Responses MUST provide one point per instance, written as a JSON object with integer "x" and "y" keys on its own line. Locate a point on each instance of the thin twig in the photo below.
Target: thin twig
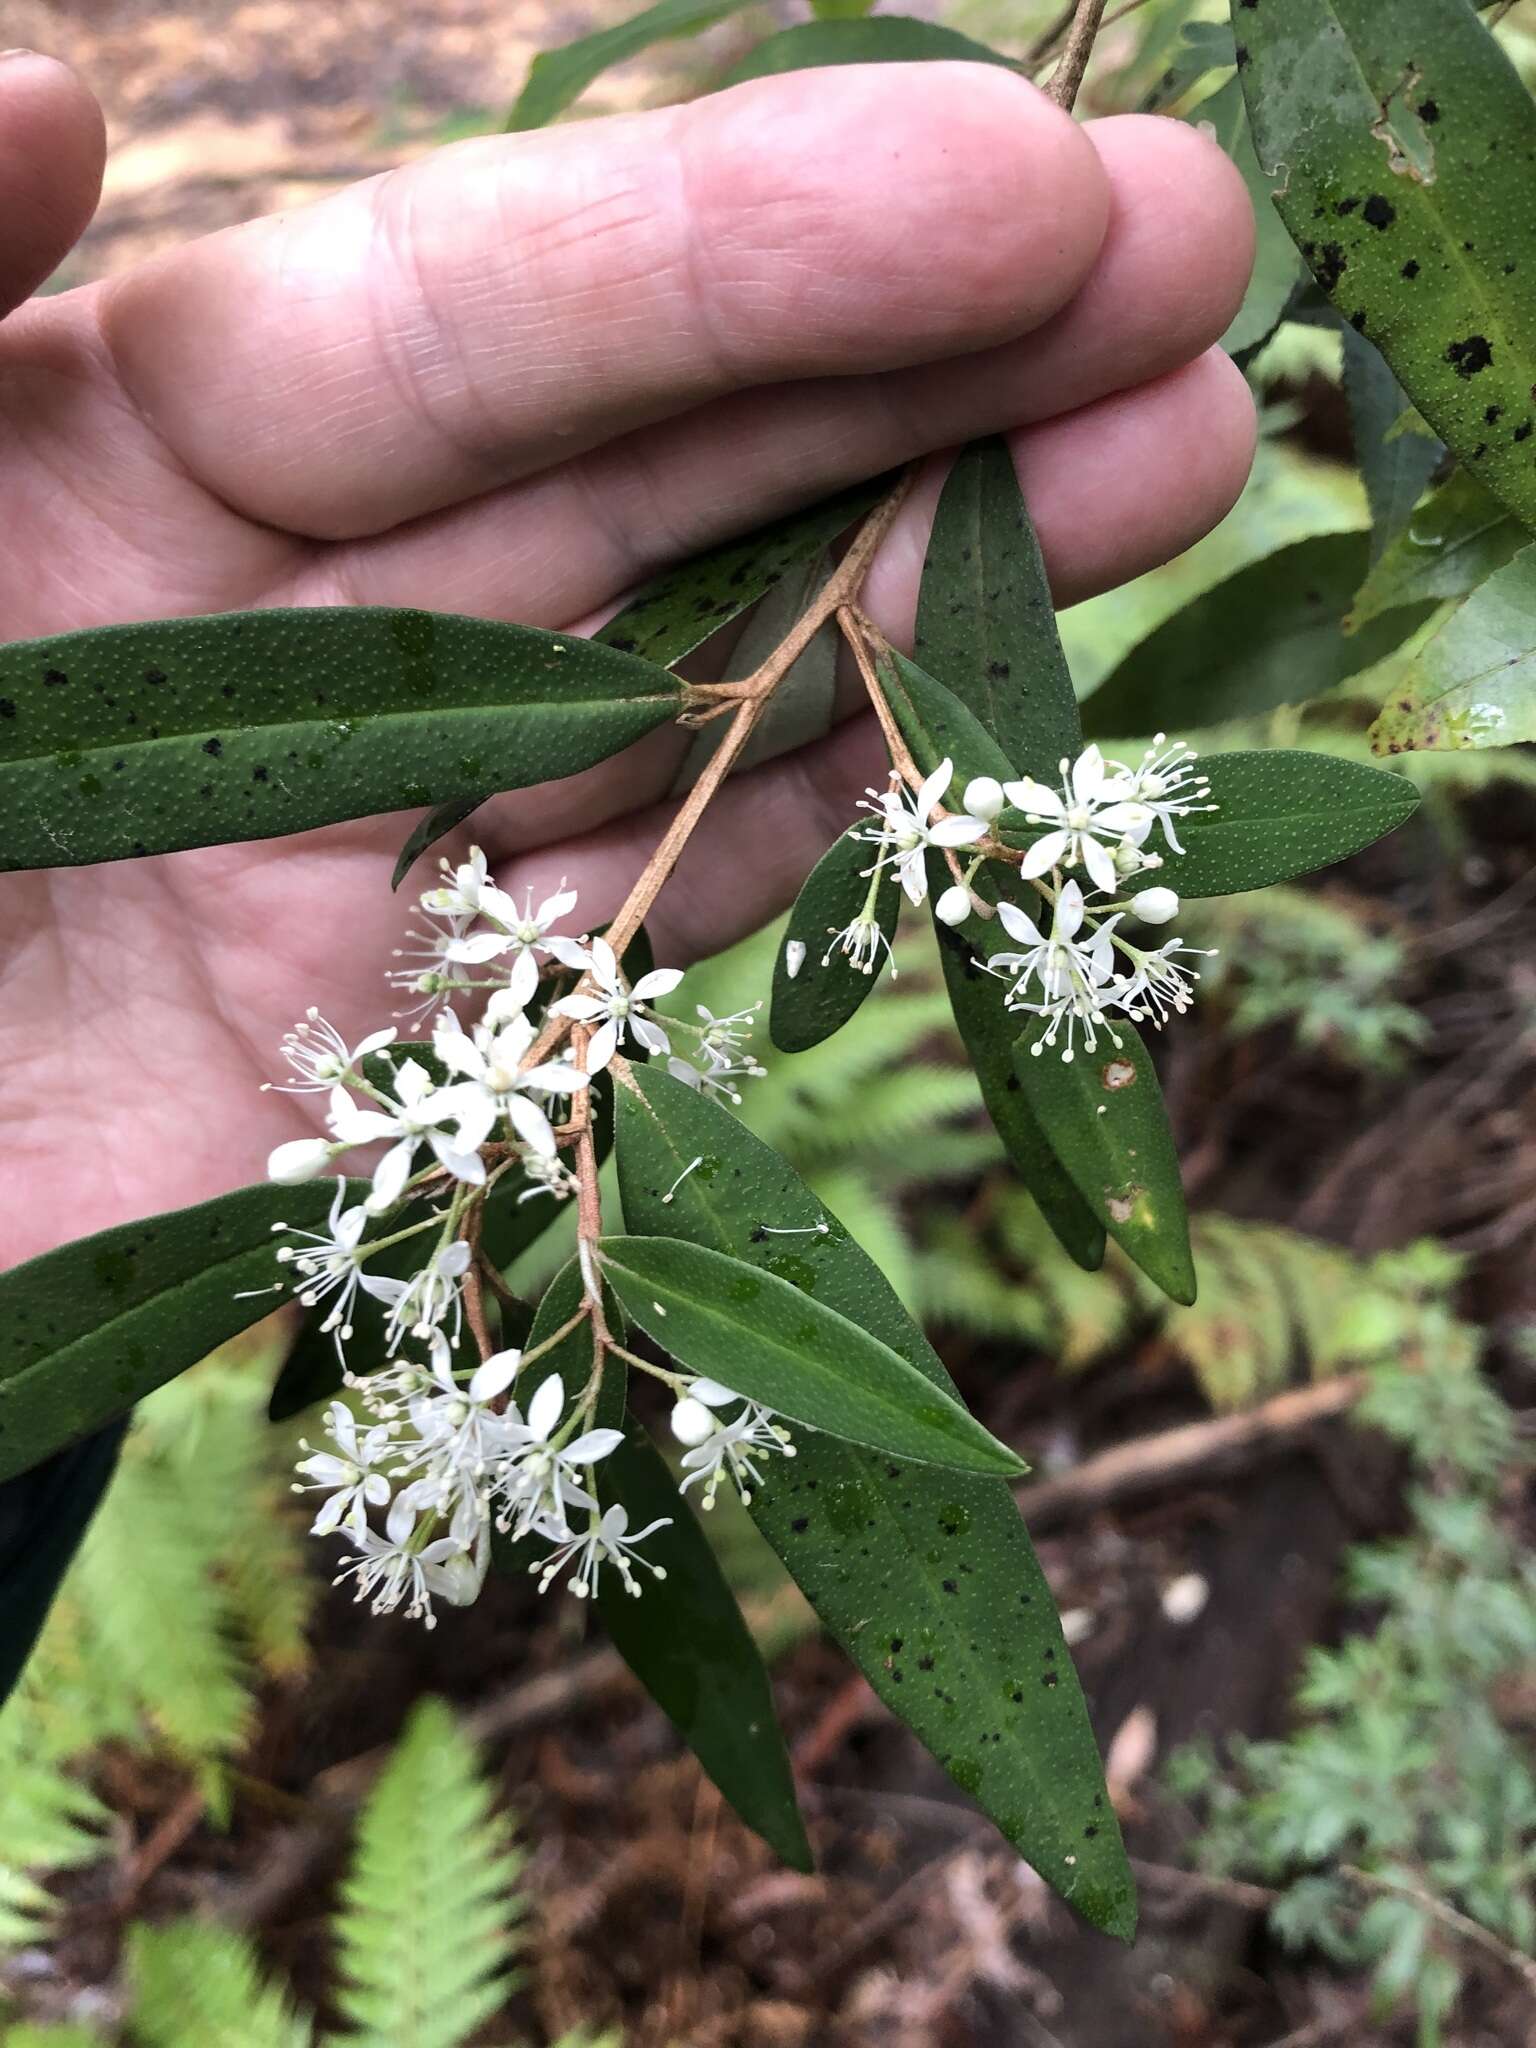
{"x": 1439, "y": 1909}
{"x": 1068, "y": 75}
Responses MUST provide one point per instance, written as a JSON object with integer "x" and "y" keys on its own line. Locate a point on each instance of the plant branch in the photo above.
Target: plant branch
{"x": 1439, "y": 1909}
{"x": 1065, "y": 80}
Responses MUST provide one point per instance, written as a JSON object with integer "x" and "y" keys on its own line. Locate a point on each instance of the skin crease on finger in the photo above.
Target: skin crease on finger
{"x": 201, "y": 960}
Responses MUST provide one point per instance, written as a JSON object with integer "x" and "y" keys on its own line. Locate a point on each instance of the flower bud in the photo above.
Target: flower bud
{"x": 299, "y": 1160}
{"x": 1155, "y": 906}
{"x": 983, "y": 798}
{"x": 691, "y": 1421}
{"x": 954, "y": 906}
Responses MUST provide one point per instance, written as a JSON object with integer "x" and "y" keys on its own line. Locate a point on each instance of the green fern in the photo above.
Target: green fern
{"x": 52, "y": 2037}
{"x": 427, "y": 1931}
{"x": 190, "y": 1585}
{"x": 195, "y": 1985}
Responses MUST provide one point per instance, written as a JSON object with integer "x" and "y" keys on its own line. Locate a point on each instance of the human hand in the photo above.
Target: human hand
{"x": 514, "y": 380}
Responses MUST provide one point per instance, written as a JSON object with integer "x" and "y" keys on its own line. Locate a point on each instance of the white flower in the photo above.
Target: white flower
{"x": 529, "y": 929}
{"x": 1069, "y": 977}
{"x": 299, "y": 1160}
{"x": 396, "y": 1570}
{"x": 547, "y": 1174}
{"x": 984, "y": 798}
{"x": 621, "y": 1009}
{"x": 537, "y": 1477}
{"x": 331, "y": 1262}
{"x": 606, "y": 1541}
{"x": 903, "y": 830}
{"x": 495, "y": 1083}
{"x": 1155, "y": 906}
{"x": 417, "y": 1111}
{"x": 954, "y": 906}
{"x": 1092, "y": 806}
{"x": 349, "y": 1474}
{"x": 459, "y": 1435}
{"x": 719, "y": 1449}
{"x": 424, "y": 974}
{"x": 1158, "y": 985}
{"x": 321, "y": 1057}
{"x": 1164, "y": 786}
{"x": 462, "y": 893}
{"x": 860, "y": 943}
{"x": 424, "y": 1301}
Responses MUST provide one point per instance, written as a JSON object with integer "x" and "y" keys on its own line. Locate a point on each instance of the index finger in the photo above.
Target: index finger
{"x": 508, "y": 303}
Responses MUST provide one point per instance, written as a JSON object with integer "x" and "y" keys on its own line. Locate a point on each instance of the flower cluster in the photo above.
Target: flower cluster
{"x": 1100, "y": 824}
{"x": 443, "y": 1452}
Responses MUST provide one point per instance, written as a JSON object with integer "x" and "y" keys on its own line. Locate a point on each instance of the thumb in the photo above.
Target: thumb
{"x": 52, "y": 147}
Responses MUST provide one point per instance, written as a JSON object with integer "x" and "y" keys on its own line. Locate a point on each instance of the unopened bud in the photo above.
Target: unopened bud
{"x": 299, "y": 1160}
{"x": 954, "y": 906}
{"x": 983, "y": 798}
{"x": 1155, "y": 906}
{"x": 691, "y": 1421}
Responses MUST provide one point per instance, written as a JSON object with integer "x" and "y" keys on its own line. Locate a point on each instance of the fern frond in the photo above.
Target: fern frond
{"x": 196, "y": 1985}
{"x": 63, "y": 2036}
{"x": 49, "y": 1821}
{"x": 428, "y": 1925}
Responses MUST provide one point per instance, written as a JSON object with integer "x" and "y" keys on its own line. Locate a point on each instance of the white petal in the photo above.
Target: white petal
{"x": 569, "y": 952}
{"x": 1018, "y": 924}
{"x": 711, "y": 1393}
{"x": 605, "y": 965}
{"x": 1035, "y": 798}
{"x": 650, "y": 1034}
{"x": 545, "y": 1408}
{"x": 374, "y": 1041}
{"x": 465, "y": 1166}
{"x": 555, "y": 1077}
{"x": 391, "y": 1174}
{"x": 476, "y": 949}
{"x": 495, "y": 1376}
{"x": 659, "y": 982}
{"x": 1069, "y": 912}
{"x": 454, "y": 1259}
{"x": 523, "y": 981}
{"x": 1088, "y": 775}
{"x": 603, "y": 1045}
{"x": 932, "y": 789}
{"x": 531, "y": 1124}
{"x": 553, "y": 908}
{"x": 582, "y": 1007}
{"x": 299, "y": 1160}
{"x": 957, "y": 831}
{"x": 413, "y": 1083}
{"x": 1040, "y": 858}
{"x": 595, "y": 1444}
{"x": 1100, "y": 863}
{"x": 913, "y": 875}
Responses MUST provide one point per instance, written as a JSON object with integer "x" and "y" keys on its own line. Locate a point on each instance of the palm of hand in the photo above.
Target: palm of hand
{"x": 374, "y": 402}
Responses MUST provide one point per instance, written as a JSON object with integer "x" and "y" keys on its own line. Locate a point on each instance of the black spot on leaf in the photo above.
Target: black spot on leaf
{"x": 1429, "y": 111}
{"x": 213, "y": 747}
{"x": 1467, "y": 358}
{"x": 1379, "y": 211}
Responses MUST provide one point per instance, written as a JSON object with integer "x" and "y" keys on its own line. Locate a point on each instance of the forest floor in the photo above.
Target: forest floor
{"x": 920, "y": 1929}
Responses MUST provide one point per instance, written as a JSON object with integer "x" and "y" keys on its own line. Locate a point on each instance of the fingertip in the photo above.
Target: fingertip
{"x": 53, "y": 147}
{"x": 932, "y": 208}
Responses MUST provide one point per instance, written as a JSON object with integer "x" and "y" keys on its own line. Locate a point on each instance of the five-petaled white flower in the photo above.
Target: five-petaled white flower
{"x": 606, "y": 1540}
{"x": 321, "y": 1057}
{"x": 330, "y": 1262}
{"x": 495, "y": 1083}
{"x": 417, "y": 1112}
{"x": 1092, "y": 809}
{"x": 1059, "y": 977}
{"x": 905, "y": 828}
{"x": 719, "y": 1449}
{"x": 621, "y": 1008}
{"x": 395, "y": 1570}
{"x": 538, "y": 1477}
{"x": 349, "y": 1474}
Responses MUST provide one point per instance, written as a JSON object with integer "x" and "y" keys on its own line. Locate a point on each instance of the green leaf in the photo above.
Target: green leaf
{"x": 1269, "y": 635}
{"x": 428, "y": 1924}
{"x": 437, "y": 824}
{"x": 572, "y": 1357}
{"x": 1274, "y": 257}
{"x": 678, "y": 610}
{"x": 927, "y": 1578}
{"x": 825, "y": 990}
{"x": 1281, "y": 812}
{"x": 127, "y": 740}
{"x": 89, "y": 1329}
{"x": 557, "y": 77}
{"x": 986, "y": 626}
{"x": 1451, "y": 544}
{"x": 937, "y": 726}
{"x": 882, "y": 39}
{"x": 1202, "y": 47}
{"x": 198, "y": 1985}
{"x": 1399, "y": 141}
{"x": 1395, "y": 465}
{"x": 1104, "y": 1115}
{"x": 988, "y": 1033}
{"x": 1473, "y": 684}
{"x": 686, "y": 1642}
{"x": 44, "y": 1514}
{"x": 760, "y": 1336}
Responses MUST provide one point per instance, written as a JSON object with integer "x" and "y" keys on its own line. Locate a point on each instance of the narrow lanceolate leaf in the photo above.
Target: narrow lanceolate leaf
{"x": 574, "y": 1356}
{"x": 1395, "y": 464}
{"x": 686, "y": 1642}
{"x": 1451, "y": 544}
{"x": 986, "y": 626}
{"x": 1275, "y": 268}
{"x": 1399, "y": 141}
{"x": 988, "y": 1033}
{"x": 927, "y": 1578}
{"x": 557, "y": 77}
{"x": 1473, "y": 684}
{"x": 1272, "y": 634}
{"x": 1281, "y": 813}
{"x": 678, "y": 610}
{"x": 760, "y": 1336}
{"x": 44, "y": 1514}
{"x": 816, "y": 985}
{"x": 442, "y": 819}
{"x": 88, "y": 1330}
{"x": 937, "y": 726}
{"x": 128, "y": 740}
{"x": 1104, "y": 1115}
{"x": 885, "y": 39}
